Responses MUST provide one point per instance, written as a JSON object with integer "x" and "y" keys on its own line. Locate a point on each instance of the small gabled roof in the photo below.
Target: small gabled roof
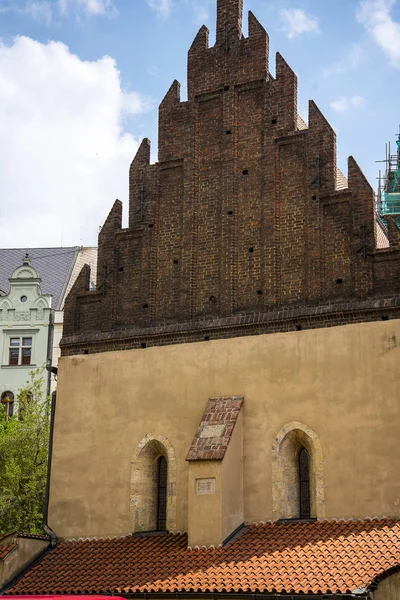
{"x": 215, "y": 429}
{"x": 53, "y": 265}
{"x": 323, "y": 557}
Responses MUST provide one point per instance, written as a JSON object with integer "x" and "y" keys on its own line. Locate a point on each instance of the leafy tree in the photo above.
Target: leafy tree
{"x": 24, "y": 440}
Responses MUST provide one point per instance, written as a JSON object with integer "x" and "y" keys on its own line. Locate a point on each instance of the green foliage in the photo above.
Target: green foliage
{"x": 24, "y": 440}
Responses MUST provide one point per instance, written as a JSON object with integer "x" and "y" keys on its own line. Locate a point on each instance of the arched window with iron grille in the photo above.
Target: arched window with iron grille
{"x": 162, "y": 476}
{"x": 304, "y": 484}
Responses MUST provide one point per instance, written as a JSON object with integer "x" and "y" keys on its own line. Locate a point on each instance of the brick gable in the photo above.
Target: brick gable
{"x": 243, "y": 214}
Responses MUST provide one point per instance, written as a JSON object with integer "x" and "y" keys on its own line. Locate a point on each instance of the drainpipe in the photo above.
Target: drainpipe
{"x": 49, "y": 354}
{"x": 46, "y": 527}
{"x": 50, "y": 369}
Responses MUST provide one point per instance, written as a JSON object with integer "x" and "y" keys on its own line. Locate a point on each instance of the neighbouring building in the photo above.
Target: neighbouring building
{"x": 26, "y": 328}
{"x": 33, "y": 285}
{"x": 228, "y": 397}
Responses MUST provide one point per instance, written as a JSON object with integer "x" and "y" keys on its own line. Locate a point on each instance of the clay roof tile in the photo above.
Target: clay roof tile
{"x": 321, "y": 557}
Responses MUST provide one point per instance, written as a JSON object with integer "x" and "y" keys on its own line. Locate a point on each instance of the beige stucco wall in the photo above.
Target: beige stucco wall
{"x": 342, "y": 382}
{"x": 388, "y": 589}
{"x": 232, "y": 482}
{"x": 205, "y": 511}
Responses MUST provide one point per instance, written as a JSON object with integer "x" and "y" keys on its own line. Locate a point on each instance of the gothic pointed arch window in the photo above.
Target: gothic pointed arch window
{"x": 297, "y": 473}
{"x": 162, "y": 477}
{"x": 304, "y": 484}
{"x": 153, "y": 486}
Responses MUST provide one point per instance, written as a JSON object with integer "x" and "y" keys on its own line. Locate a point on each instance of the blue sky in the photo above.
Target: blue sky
{"x": 81, "y": 80}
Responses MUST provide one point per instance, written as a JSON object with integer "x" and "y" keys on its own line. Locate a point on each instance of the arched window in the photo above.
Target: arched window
{"x": 304, "y": 484}
{"x": 162, "y": 476}
{"x": 7, "y": 401}
{"x": 153, "y": 486}
{"x": 297, "y": 473}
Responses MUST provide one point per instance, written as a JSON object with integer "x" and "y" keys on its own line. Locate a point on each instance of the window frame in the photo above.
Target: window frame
{"x": 162, "y": 500}
{"x": 23, "y": 350}
{"x": 304, "y": 483}
{"x": 20, "y": 334}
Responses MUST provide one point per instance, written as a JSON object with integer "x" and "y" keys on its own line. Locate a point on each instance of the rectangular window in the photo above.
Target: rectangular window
{"x": 26, "y": 356}
{"x": 13, "y": 358}
{"x": 20, "y": 351}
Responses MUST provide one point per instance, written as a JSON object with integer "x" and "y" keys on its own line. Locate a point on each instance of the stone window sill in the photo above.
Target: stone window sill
{"x": 18, "y": 366}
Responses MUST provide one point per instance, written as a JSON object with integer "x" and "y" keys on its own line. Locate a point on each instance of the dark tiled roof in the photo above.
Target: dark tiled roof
{"x": 322, "y": 557}
{"x": 54, "y": 266}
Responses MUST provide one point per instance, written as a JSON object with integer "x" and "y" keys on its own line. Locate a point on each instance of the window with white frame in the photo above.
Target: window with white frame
{"x": 20, "y": 350}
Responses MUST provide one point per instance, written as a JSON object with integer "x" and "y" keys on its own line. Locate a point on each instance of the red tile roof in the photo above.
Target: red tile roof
{"x": 321, "y": 557}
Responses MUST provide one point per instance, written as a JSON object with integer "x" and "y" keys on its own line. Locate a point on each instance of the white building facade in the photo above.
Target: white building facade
{"x": 32, "y": 297}
{"x": 26, "y": 328}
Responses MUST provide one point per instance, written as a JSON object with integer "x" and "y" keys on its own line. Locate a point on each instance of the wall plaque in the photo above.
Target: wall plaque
{"x": 210, "y": 431}
{"x": 205, "y": 486}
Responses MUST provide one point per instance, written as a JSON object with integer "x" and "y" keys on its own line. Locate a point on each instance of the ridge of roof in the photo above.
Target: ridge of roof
{"x": 5, "y": 535}
{"x": 34, "y": 536}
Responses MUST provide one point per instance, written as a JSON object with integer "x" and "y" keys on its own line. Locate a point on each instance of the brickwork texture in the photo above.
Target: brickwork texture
{"x": 215, "y": 430}
{"x": 242, "y": 216}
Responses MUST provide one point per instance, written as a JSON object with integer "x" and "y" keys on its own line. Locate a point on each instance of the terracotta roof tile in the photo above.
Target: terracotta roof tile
{"x": 321, "y": 557}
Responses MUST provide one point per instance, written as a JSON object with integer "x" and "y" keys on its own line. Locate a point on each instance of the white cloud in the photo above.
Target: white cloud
{"x": 153, "y": 71}
{"x": 343, "y": 104}
{"x": 41, "y": 11}
{"x": 201, "y": 10}
{"x": 161, "y": 7}
{"x": 63, "y": 149}
{"x": 297, "y": 21}
{"x": 47, "y": 10}
{"x": 376, "y": 16}
{"x": 352, "y": 59}
{"x": 90, "y": 7}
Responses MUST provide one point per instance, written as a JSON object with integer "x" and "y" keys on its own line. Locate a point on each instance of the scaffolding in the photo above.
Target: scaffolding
{"x": 388, "y": 197}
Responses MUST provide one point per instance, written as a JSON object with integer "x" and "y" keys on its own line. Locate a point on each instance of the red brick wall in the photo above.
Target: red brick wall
{"x": 241, "y": 214}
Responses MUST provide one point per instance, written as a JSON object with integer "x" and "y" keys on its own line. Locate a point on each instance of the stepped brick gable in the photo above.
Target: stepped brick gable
{"x": 244, "y": 224}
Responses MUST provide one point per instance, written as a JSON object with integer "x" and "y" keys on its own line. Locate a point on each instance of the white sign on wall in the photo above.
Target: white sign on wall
{"x": 205, "y": 486}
